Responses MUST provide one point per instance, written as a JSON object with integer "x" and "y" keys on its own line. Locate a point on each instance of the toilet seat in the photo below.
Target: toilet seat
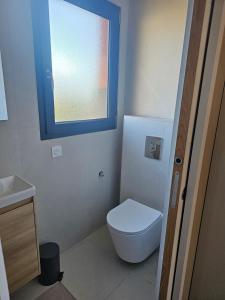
{"x": 132, "y": 218}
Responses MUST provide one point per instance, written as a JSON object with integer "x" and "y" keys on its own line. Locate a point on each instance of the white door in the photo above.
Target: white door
{"x": 4, "y": 292}
{"x": 209, "y": 269}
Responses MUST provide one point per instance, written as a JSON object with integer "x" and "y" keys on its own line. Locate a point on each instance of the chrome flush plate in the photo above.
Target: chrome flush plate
{"x": 153, "y": 147}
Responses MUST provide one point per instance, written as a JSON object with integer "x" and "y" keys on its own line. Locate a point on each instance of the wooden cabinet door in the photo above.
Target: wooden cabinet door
{"x": 18, "y": 234}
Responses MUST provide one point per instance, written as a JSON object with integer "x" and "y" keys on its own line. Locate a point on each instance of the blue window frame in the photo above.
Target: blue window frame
{"x": 49, "y": 128}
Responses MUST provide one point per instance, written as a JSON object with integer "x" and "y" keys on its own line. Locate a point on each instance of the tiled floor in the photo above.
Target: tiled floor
{"x": 94, "y": 272}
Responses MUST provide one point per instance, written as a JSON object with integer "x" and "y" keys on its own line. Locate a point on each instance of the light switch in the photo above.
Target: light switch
{"x": 57, "y": 151}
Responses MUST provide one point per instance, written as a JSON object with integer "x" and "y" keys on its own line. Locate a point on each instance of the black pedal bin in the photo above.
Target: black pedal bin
{"x": 50, "y": 264}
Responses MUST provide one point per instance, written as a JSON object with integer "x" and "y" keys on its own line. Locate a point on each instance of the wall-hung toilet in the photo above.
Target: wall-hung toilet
{"x": 135, "y": 230}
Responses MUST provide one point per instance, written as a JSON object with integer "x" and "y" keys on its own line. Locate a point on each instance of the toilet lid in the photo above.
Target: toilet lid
{"x": 132, "y": 217}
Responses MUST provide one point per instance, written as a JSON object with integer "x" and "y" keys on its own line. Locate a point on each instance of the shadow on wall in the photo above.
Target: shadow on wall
{"x": 155, "y": 42}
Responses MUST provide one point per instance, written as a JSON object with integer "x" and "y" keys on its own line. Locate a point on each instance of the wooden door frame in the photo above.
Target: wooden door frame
{"x": 194, "y": 65}
{"x": 203, "y": 143}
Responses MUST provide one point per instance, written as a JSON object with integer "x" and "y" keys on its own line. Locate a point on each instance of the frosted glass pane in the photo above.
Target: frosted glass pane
{"x": 79, "y": 45}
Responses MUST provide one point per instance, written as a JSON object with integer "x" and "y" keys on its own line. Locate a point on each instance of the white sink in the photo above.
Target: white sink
{"x": 14, "y": 189}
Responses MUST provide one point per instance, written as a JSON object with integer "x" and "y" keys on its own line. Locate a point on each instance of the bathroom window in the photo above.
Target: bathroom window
{"x": 76, "y": 53}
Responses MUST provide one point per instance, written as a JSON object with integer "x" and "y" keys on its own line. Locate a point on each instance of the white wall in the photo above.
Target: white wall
{"x": 144, "y": 179}
{"x": 156, "y": 32}
{"x": 73, "y": 201}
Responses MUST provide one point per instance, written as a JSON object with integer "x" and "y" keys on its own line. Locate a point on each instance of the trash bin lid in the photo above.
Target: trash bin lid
{"x": 49, "y": 250}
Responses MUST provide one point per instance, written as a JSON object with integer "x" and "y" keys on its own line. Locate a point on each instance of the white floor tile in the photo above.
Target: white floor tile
{"x": 133, "y": 288}
{"x": 148, "y": 269}
{"x": 30, "y": 292}
{"x": 102, "y": 240}
{"x": 91, "y": 274}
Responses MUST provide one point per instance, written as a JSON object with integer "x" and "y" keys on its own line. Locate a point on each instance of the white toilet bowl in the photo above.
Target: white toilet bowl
{"x": 135, "y": 230}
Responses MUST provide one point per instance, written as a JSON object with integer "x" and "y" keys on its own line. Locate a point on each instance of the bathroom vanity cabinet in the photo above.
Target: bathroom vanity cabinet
{"x": 19, "y": 241}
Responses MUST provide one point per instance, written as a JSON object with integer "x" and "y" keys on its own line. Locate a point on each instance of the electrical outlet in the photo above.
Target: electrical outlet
{"x": 57, "y": 151}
